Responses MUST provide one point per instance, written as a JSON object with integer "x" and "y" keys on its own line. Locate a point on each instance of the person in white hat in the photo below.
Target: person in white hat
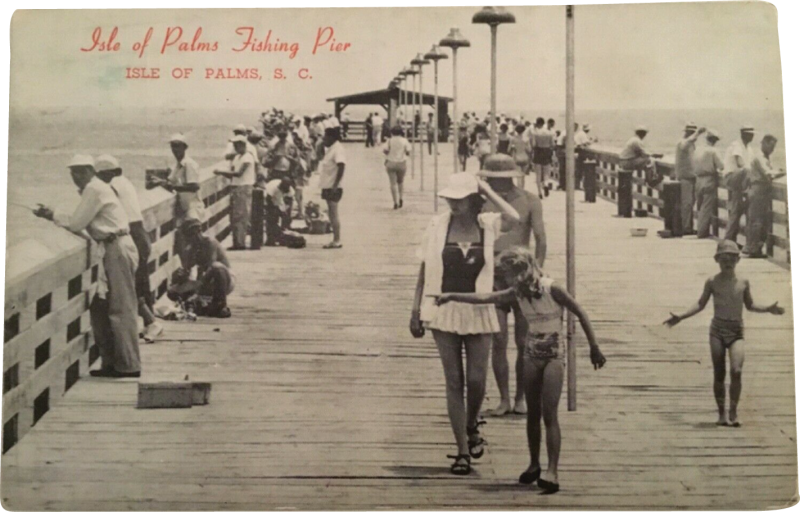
{"x": 684, "y": 173}
{"x": 109, "y": 171}
{"x": 458, "y": 256}
{"x": 738, "y": 160}
{"x": 243, "y": 176}
{"x": 500, "y": 173}
{"x": 707, "y": 165}
{"x": 113, "y": 310}
{"x": 184, "y": 180}
{"x": 582, "y": 141}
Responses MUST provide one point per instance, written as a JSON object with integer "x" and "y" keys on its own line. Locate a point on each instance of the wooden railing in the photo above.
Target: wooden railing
{"x": 48, "y": 343}
{"x": 650, "y": 199}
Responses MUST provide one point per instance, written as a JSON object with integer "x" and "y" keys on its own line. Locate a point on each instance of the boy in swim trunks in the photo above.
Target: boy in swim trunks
{"x": 727, "y": 328}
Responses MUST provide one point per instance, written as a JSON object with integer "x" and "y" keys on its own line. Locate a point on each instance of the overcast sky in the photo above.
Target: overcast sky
{"x": 701, "y": 55}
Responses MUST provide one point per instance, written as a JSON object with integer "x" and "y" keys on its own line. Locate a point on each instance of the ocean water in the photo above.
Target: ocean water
{"x": 42, "y": 141}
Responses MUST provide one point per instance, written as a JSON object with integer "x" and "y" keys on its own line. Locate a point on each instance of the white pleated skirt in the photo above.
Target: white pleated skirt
{"x": 464, "y": 319}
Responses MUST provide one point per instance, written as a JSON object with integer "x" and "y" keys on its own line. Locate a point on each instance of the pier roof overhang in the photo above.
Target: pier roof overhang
{"x": 383, "y": 98}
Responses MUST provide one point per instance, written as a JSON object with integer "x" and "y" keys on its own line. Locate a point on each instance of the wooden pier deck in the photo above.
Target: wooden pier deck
{"x": 322, "y": 400}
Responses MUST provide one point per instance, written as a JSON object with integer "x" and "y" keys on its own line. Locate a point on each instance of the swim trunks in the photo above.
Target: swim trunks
{"x": 726, "y": 331}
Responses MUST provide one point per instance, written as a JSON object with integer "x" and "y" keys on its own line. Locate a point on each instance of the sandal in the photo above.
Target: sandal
{"x": 476, "y": 447}
{"x": 461, "y": 466}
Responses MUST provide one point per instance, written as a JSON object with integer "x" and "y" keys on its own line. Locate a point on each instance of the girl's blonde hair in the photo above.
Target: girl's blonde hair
{"x": 520, "y": 263}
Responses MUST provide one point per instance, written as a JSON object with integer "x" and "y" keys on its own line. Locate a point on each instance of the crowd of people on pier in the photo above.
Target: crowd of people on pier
{"x": 481, "y": 261}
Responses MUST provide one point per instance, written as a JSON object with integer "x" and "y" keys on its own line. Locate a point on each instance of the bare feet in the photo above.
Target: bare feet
{"x": 722, "y": 421}
{"x": 520, "y": 407}
{"x": 501, "y": 410}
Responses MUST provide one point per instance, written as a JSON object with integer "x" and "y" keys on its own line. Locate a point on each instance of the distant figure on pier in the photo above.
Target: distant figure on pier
{"x": 243, "y": 176}
{"x": 377, "y": 129}
{"x": 542, "y": 139}
{"x": 113, "y": 309}
{"x": 759, "y": 198}
{"x": 500, "y": 174}
{"x": 635, "y": 157}
{"x": 482, "y": 147}
{"x": 331, "y": 172}
{"x": 370, "y": 135}
{"x": 396, "y": 149}
{"x": 708, "y": 167}
{"x": 582, "y": 141}
{"x": 542, "y": 303}
{"x": 503, "y": 140}
{"x": 684, "y": 173}
{"x": 215, "y": 278}
{"x": 458, "y": 256}
{"x": 520, "y": 148}
{"x": 109, "y": 170}
{"x": 738, "y": 160}
{"x": 731, "y": 294}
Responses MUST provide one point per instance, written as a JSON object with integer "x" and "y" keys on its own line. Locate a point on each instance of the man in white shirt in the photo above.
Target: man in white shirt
{"x": 582, "y": 141}
{"x": 759, "y": 198}
{"x": 738, "y": 159}
{"x": 113, "y": 310}
{"x": 243, "y": 177}
{"x": 331, "y": 172}
{"x": 184, "y": 180}
{"x": 110, "y": 172}
{"x": 396, "y": 149}
{"x": 377, "y": 129}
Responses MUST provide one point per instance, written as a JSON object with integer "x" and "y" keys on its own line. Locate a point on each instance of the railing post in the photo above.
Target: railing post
{"x": 257, "y": 220}
{"x": 589, "y": 180}
{"x": 625, "y": 193}
{"x": 671, "y": 195}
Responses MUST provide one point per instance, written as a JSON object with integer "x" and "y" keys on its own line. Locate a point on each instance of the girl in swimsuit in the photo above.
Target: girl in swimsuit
{"x": 726, "y": 334}
{"x": 542, "y": 302}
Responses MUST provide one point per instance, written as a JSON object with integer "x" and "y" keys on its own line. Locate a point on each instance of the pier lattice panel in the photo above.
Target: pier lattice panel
{"x": 48, "y": 343}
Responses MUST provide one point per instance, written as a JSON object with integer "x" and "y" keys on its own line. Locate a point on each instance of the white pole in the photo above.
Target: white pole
{"x": 572, "y": 379}
{"x": 455, "y": 110}
{"x": 493, "y": 120}
{"x": 436, "y": 135}
{"x": 413, "y": 128}
{"x": 421, "y": 142}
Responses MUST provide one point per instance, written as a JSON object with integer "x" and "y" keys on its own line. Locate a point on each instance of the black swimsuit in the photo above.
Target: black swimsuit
{"x": 460, "y": 271}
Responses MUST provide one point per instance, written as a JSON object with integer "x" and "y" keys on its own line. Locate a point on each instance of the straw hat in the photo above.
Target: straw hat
{"x": 459, "y": 186}
{"x": 240, "y": 128}
{"x": 727, "y": 247}
{"x": 641, "y": 128}
{"x": 239, "y": 138}
{"x": 690, "y": 127}
{"x": 500, "y": 166}
{"x": 106, "y": 163}
{"x": 81, "y": 161}
{"x": 748, "y": 128}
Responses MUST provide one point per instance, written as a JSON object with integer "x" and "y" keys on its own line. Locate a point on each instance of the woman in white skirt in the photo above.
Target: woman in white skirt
{"x": 458, "y": 256}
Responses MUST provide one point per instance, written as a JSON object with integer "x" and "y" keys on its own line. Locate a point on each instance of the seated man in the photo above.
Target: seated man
{"x": 215, "y": 279}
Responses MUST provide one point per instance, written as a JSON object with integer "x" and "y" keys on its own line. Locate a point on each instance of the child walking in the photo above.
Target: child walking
{"x": 542, "y": 302}
{"x": 726, "y": 334}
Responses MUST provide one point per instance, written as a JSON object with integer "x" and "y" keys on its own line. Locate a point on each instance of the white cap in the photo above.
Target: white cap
{"x": 240, "y": 128}
{"x": 106, "y": 163}
{"x": 459, "y": 186}
{"x": 82, "y": 161}
{"x": 641, "y": 128}
{"x": 239, "y": 138}
{"x": 747, "y": 128}
{"x": 178, "y": 138}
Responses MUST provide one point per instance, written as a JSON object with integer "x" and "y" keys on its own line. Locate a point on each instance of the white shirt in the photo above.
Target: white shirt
{"x": 377, "y": 120}
{"x": 397, "y": 148}
{"x": 334, "y": 122}
{"x": 100, "y": 213}
{"x": 190, "y": 204}
{"x": 581, "y": 138}
{"x": 329, "y": 165}
{"x": 273, "y": 191}
{"x": 737, "y": 148}
{"x": 248, "y": 163}
{"x": 126, "y": 193}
